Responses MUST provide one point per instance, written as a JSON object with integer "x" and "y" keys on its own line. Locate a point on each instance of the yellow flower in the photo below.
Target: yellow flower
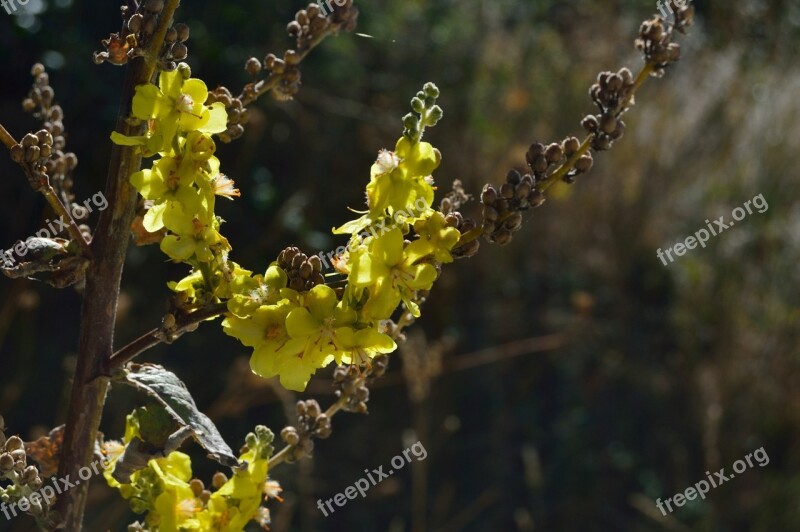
{"x": 178, "y": 103}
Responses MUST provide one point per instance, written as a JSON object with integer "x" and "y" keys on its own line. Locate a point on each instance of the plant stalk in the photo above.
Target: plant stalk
{"x": 98, "y": 313}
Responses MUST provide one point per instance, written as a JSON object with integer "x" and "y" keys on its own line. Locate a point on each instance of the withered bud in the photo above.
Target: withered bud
{"x": 253, "y": 66}
{"x": 135, "y": 23}
{"x": 183, "y": 31}
{"x": 218, "y": 480}
{"x": 29, "y": 140}
{"x": 488, "y": 195}
{"x": 554, "y": 153}
{"x": 589, "y": 123}
{"x": 584, "y": 163}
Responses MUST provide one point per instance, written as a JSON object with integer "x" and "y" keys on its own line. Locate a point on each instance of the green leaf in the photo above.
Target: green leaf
{"x": 166, "y": 388}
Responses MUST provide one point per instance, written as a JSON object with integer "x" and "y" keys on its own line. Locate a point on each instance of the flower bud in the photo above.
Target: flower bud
{"x": 6, "y": 462}
{"x": 218, "y": 480}
{"x": 431, "y": 90}
{"x": 183, "y": 31}
{"x": 488, "y": 195}
{"x": 32, "y": 154}
{"x": 179, "y": 51}
{"x": 584, "y": 163}
{"x": 17, "y": 153}
{"x": 253, "y": 66}
{"x": 135, "y": 23}
{"x": 29, "y": 140}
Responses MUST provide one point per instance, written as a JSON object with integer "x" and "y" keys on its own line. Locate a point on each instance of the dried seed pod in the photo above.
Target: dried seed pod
{"x": 589, "y": 123}
{"x": 490, "y": 214}
{"x": 540, "y": 165}
{"x": 29, "y": 140}
{"x": 554, "y": 153}
{"x": 253, "y": 66}
{"x": 570, "y": 146}
{"x": 45, "y": 138}
{"x": 179, "y": 51}
{"x": 17, "y": 153}
{"x": 536, "y": 149}
{"x": 514, "y": 222}
{"x": 32, "y": 154}
{"x": 183, "y": 31}
{"x": 488, "y": 195}
{"x": 502, "y": 237}
{"x": 135, "y": 23}
{"x": 584, "y": 163}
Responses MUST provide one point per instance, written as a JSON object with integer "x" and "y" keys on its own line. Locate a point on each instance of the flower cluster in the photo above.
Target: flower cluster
{"x": 294, "y": 322}
{"x": 173, "y": 501}
{"x": 295, "y": 332}
{"x": 181, "y": 187}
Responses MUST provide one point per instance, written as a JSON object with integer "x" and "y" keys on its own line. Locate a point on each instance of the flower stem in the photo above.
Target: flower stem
{"x": 110, "y": 245}
{"x": 159, "y": 335}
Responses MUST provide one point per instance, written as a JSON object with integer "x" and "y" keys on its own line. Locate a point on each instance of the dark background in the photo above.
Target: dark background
{"x": 561, "y": 383}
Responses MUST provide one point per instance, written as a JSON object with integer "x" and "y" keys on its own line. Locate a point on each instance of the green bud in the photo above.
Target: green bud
{"x": 410, "y": 121}
{"x": 431, "y": 90}
{"x": 434, "y": 115}
{"x": 417, "y": 105}
{"x": 185, "y": 70}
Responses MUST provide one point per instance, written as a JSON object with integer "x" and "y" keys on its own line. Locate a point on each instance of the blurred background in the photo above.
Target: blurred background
{"x": 564, "y": 382}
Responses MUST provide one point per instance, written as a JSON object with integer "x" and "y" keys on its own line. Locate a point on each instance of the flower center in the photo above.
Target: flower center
{"x": 185, "y": 103}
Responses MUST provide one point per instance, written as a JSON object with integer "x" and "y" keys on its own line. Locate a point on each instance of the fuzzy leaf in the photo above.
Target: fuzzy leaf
{"x": 166, "y": 388}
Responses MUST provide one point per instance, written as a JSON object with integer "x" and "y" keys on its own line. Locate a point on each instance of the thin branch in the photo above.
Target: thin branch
{"x": 185, "y": 323}
{"x": 6, "y": 138}
{"x": 41, "y": 183}
{"x": 252, "y": 92}
{"x": 567, "y": 165}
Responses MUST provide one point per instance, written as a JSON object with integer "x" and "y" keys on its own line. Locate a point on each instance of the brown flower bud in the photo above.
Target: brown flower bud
{"x": 32, "y": 154}
{"x": 253, "y": 66}
{"x": 502, "y": 237}
{"x": 584, "y": 163}
{"x": 29, "y": 140}
{"x": 554, "y": 153}
{"x": 135, "y": 23}
{"x": 514, "y": 222}
{"x": 44, "y": 136}
{"x": 183, "y": 31}
{"x": 507, "y": 190}
{"x": 488, "y": 195}
{"x": 17, "y": 153}
{"x": 490, "y": 214}
{"x": 179, "y": 51}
